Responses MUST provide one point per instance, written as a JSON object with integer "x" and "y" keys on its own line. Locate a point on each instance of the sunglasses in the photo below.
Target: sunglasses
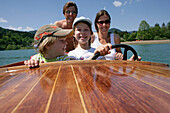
{"x": 68, "y": 12}
{"x": 102, "y": 22}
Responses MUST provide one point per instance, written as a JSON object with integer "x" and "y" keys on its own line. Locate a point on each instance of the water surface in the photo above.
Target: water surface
{"x": 149, "y": 52}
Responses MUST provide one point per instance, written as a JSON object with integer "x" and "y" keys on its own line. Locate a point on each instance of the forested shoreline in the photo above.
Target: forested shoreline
{"x": 12, "y": 40}
{"x": 146, "y": 32}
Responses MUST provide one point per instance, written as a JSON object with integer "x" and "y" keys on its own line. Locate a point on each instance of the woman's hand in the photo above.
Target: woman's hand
{"x": 133, "y": 57}
{"x": 119, "y": 56}
{"x": 103, "y": 49}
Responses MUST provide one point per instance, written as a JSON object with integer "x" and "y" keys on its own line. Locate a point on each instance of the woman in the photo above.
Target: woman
{"x": 82, "y": 41}
{"x": 102, "y": 37}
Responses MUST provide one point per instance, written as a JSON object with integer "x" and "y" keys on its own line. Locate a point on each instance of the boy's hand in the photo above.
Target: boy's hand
{"x": 32, "y": 63}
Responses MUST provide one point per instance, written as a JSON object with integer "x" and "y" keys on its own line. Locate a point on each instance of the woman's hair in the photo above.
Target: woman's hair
{"x": 46, "y": 42}
{"x": 98, "y": 15}
{"x": 68, "y": 4}
{"x": 74, "y": 39}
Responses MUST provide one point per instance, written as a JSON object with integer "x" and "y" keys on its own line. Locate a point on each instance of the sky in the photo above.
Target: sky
{"x": 126, "y": 15}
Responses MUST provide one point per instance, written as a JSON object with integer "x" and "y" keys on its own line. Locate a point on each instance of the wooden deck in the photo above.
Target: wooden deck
{"x": 86, "y": 87}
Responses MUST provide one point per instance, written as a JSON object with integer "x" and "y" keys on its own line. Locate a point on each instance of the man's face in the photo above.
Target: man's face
{"x": 70, "y": 14}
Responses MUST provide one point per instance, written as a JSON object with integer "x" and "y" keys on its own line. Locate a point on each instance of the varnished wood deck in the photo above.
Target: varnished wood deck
{"x": 86, "y": 87}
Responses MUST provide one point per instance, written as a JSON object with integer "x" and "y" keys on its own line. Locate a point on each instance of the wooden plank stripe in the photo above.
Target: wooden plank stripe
{"x": 8, "y": 80}
{"x": 52, "y": 92}
{"x": 150, "y": 85}
{"x": 28, "y": 93}
{"x": 143, "y": 81}
{"x": 80, "y": 94}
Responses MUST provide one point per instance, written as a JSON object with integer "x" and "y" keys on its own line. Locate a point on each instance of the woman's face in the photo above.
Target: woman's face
{"x": 82, "y": 33}
{"x": 103, "y": 24}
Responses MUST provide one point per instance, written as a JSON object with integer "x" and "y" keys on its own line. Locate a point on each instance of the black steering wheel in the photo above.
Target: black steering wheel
{"x": 127, "y": 47}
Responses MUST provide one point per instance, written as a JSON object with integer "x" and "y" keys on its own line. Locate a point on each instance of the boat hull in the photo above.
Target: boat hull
{"x": 86, "y": 87}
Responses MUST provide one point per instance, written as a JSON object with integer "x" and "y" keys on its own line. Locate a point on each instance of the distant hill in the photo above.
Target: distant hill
{"x": 11, "y": 39}
{"x": 112, "y": 30}
{"x": 33, "y": 32}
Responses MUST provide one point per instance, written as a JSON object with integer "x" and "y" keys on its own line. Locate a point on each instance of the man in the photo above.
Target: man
{"x": 70, "y": 12}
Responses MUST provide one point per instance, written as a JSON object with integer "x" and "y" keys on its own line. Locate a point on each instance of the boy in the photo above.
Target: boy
{"x": 50, "y": 40}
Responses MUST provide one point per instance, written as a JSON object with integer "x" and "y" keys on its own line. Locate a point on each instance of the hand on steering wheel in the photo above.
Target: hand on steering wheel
{"x": 127, "y": 47}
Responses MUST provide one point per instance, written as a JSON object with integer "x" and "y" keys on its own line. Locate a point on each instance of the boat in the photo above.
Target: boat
{"x": 87, "y": 86}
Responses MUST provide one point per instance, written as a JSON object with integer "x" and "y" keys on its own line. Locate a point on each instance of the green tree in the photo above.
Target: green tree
{"x": 132, "y": 36}
{"x": 143, "y": 25}
{"x": 125, "y": 36}
{"x": 163, "y": 26}
{"x": 168, "y": 25}
{"x": 10, "y": 39}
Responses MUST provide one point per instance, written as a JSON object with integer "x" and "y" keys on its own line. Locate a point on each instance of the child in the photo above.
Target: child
{"x": 82, "y": 40}
{"x": 50, "y": 41}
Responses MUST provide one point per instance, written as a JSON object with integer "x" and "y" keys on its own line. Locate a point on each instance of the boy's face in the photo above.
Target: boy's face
{"x": 58, "y": 48}
{"x": 70, "y": 13}
{"x": 82, "y": 33}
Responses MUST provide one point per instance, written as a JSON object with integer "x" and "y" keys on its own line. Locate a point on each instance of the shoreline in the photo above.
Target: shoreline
{"x": 146, "y": 42}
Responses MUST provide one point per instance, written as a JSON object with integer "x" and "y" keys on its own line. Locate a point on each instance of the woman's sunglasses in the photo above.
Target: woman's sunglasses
{"x": 102, "y": 22}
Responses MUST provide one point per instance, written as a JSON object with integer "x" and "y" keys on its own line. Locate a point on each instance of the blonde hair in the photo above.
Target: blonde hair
{"x": 46, "y": 42}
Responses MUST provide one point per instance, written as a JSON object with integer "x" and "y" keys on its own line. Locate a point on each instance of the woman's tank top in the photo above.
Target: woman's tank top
{"x": 97, "y": 43}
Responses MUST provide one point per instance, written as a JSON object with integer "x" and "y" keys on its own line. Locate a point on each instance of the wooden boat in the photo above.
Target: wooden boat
{"x": 96, "y": 86}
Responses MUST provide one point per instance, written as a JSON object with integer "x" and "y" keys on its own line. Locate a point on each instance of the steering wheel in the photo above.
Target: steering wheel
{"x": 127, "y": 47}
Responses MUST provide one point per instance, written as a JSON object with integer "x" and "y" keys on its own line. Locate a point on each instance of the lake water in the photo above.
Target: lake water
{"x": 150, "y": 52}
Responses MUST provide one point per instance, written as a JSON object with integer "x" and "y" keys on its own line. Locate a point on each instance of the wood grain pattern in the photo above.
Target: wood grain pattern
{"x": 86, "y": 87}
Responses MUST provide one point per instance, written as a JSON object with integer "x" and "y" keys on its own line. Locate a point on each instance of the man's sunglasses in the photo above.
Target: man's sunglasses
{"x": 102, "y": 22}
{"x": 68, "y": 12}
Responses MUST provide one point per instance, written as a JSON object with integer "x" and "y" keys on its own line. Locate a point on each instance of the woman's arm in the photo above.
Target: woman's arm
{"x": 117, "y": 41}
{"x": 92, "y": 37}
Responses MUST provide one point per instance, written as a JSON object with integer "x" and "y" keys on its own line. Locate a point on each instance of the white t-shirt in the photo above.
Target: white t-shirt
{"x": 97, "y": 43}
{"x": 81, "y": 54}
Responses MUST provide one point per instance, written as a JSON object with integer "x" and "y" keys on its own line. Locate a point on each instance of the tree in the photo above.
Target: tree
{"x": 157, "y": 25}
{"x": 10, "y": 39}
{"x": 132, "y": 36}
{"x": 125, "y": 36}
{"x": 168, "y": 25}
{"x": 163, "y": 26}
{"x": 143, "y": 26}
